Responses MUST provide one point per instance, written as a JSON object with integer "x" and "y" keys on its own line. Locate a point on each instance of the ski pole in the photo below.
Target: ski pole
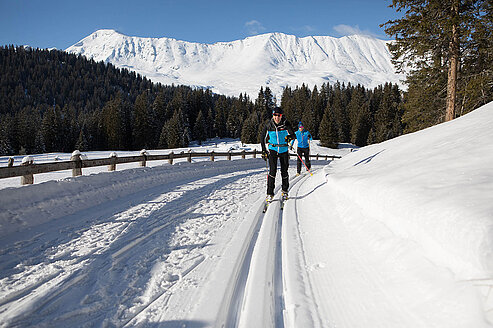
{"x": 304, "y": 163}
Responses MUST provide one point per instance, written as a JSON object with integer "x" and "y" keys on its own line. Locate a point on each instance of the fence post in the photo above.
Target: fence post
{"x": 255, "y": 153}
{"x": 29, "y": 178}
{"x": 77, "y": 170}
{"x": 189, "y": 156}
{"x": 112, "y": 166}
{"x": 212, "y": 156}
{"x": 243, "y": 154}
{"x": 229, "y": 155}
{"x": 10, "y": 163}
{"x": 170, "y": 159}
{"x": 143, "y": 153}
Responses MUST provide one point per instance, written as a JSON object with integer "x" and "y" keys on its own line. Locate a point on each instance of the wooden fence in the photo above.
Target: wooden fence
{"x": 28, "y": 168}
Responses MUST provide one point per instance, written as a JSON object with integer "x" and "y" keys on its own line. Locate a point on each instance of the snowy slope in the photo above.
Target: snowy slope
{"x": 274, "y": 59}
{"x": 397, "y": 234}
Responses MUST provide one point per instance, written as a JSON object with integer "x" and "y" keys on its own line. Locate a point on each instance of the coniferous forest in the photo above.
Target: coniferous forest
{"x": 52, "y": 101}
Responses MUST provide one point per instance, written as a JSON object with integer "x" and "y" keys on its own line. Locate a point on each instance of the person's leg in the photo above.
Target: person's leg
{"x": 298, "y": 160}
{"x": 271, "y": 178}
{"x": 307, "y": 158}
{"x": 284, "y": 159}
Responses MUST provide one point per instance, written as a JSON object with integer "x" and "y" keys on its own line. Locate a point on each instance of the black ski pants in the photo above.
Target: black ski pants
{"x": 303, "y": 152}
{"x": 271, "y": 179}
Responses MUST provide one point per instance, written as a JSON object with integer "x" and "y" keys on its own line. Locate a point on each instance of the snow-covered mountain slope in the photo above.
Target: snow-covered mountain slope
{"x": 275, "y": 60}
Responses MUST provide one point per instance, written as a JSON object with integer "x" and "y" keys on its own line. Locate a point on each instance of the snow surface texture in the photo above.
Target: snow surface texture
{"x": 397, "y": 234}
{"x": 275, "y": 60}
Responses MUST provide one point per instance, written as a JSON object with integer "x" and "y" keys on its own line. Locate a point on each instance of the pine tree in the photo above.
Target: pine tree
{"x": 82, "y": 144}
{"x": 328, "y": 130}
{"x": 269, "y": 102}
{"x": 476, "y": 84}
{"x": 5, "y": 144}
{"x": 434, "y": 36}
{"x": 341, "y": 117}
{"x": 200, "y": 128}
{"x": 234, "y": 123}
{"x": 142, "y": 133}
{"x": 173, "y": 131}
{"x": 26, "y": 128}
{"x": 184, "y": 125}
{"x": 359, "y": 117}
{"x": 39, "y": 144}
{"x": 51, "y": 129}
{"x": 111, "y": 124}
{"x": 424, "y": 104}
{"x": 160, "y": 114}
{"x": 221, "y": 117}
{"x": 388, "y": 116}
{"x": 163, "y": 137}
{"x": 250, "y": 132}
{"x": 287, "y": 103}
{"x": 210, "y": 123}
{"x": 264, "y": 102}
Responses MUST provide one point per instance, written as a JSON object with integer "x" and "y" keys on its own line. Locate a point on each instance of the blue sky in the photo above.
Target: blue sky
{"x": 60, "y": 24}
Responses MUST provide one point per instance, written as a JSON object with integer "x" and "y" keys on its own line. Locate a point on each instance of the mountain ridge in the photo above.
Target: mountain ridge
{"x": 273, "y": 59}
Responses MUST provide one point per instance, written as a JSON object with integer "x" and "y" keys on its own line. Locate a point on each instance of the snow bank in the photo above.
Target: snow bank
{"x": 432, "y": 187}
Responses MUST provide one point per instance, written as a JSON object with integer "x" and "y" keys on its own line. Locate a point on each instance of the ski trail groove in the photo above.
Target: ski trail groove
{"x": 242, "y": 301}
{"x": 295, "y": 265}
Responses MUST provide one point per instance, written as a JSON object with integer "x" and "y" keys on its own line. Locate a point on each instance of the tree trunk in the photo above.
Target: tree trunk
{"x": 454, "y": 61}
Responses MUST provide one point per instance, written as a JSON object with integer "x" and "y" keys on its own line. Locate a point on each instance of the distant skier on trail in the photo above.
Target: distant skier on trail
{"x": 303, "y": 137}
{"x": 277, "y": 135}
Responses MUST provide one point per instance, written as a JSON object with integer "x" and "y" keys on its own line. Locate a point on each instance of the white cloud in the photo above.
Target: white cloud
{"x": 254, "y": 27}
{"x": 344, "y": 30}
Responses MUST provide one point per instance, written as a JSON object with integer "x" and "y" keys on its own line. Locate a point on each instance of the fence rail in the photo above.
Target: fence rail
{"x": 28, "y": 168}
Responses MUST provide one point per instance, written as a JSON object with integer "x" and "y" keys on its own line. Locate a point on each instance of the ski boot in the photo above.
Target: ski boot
{"x": 268, "y": 200}
{"x": 284, "y": 198}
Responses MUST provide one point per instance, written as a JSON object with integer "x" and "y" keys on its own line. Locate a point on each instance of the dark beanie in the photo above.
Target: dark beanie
{"x": 277, "y": 110}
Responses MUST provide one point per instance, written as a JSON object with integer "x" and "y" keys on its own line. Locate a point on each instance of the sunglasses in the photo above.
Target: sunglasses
{"x": 277, "y": 115}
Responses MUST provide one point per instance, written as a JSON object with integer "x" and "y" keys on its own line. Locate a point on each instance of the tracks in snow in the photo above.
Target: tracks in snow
{"x": 256, "y": 295}
{"x": 89, "y": 274}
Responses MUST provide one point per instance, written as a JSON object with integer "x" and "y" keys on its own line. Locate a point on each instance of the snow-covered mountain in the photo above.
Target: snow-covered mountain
{"x": 275, "y": 60}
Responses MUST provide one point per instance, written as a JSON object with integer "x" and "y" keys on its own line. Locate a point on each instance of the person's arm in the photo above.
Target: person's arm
{"x": 291, "y": 136}
{"x": 290, "y": 131}
{"x": 292, "y": 142}
{"x": 263, "y": 140}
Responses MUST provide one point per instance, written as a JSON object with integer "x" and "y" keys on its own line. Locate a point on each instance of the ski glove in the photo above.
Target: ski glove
{"x": 265, "y": 155}
{"x": 289, "y": 138}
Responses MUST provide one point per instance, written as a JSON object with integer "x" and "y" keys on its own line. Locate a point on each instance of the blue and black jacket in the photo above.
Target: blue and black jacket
{"x": 302, "y": 137}
{"x": 275, "y": 136}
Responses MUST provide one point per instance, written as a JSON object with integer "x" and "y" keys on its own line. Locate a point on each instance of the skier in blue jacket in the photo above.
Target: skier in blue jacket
{"x": 275, "y": 144}
{"x": 303, "y": 137}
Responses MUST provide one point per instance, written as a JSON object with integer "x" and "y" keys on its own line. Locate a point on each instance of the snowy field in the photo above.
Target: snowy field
{"x": 397, "y": 234}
